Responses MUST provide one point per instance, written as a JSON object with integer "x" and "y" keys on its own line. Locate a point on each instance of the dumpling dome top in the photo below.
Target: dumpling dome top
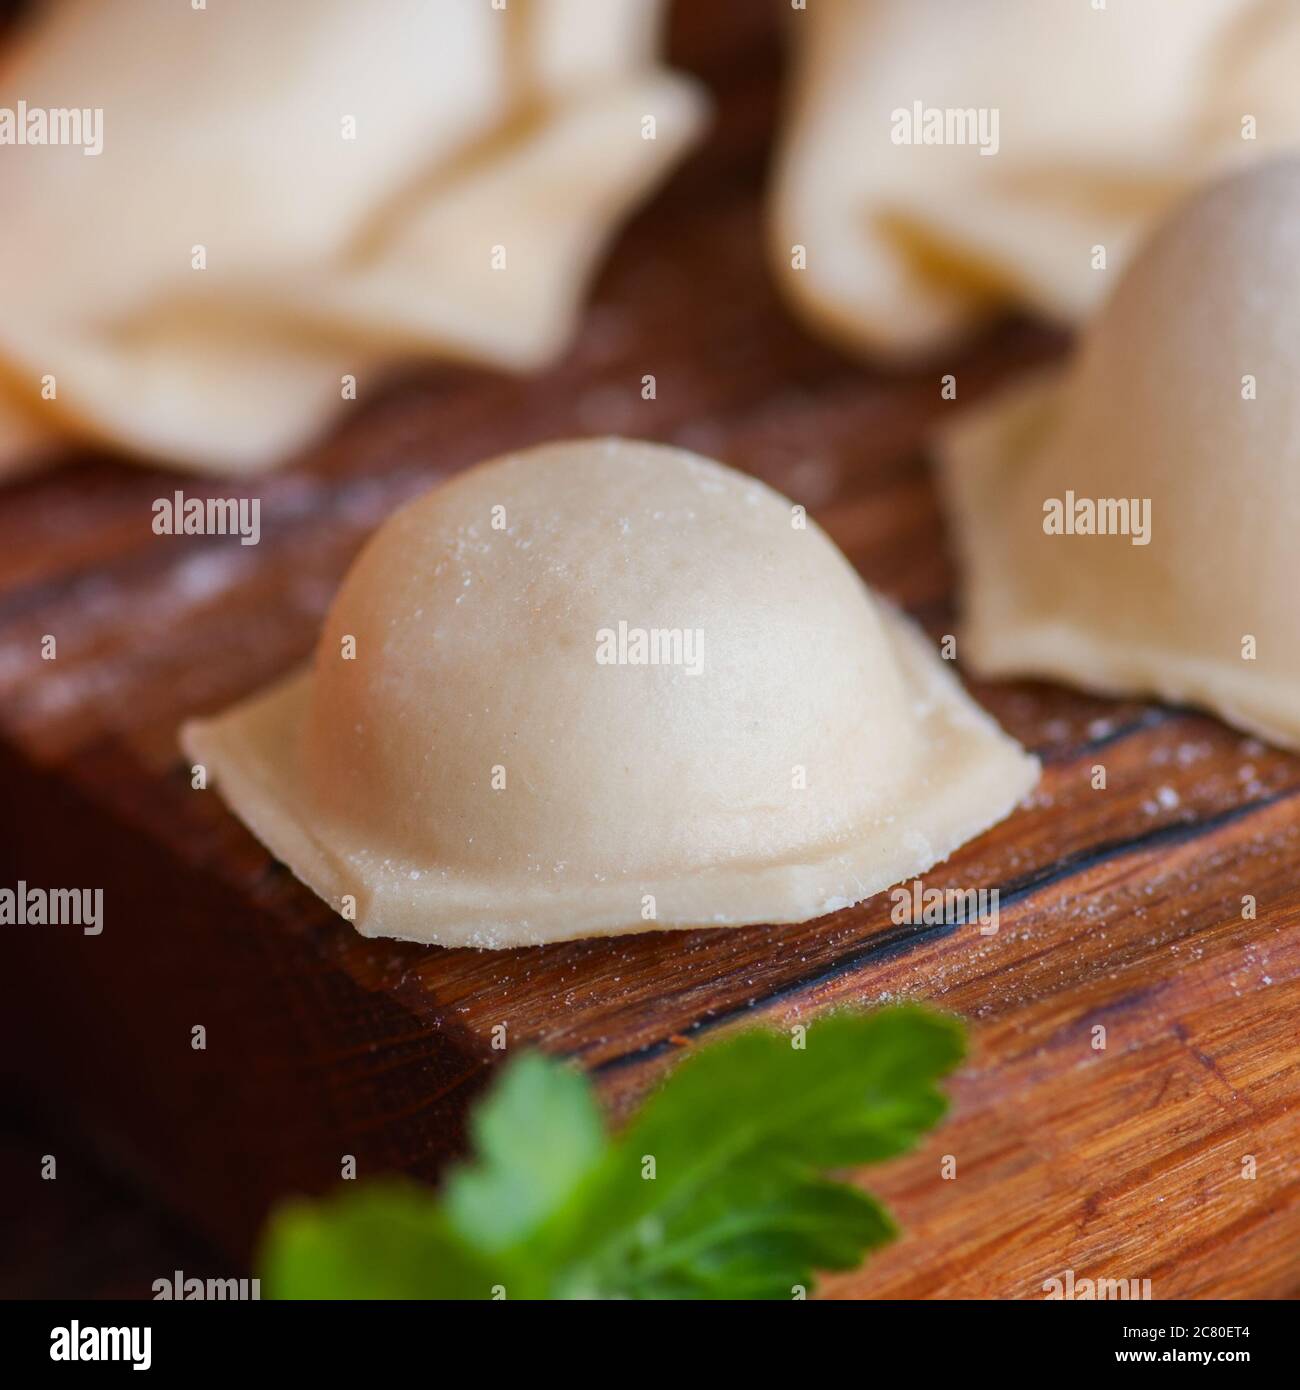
{"x": 1182, "y": 407}
{"x": 604, "y": 686}
{"x": 500, "y": 648}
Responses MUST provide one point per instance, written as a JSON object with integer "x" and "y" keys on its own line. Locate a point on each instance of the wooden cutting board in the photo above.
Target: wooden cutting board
{"x": 1119, "y": 908}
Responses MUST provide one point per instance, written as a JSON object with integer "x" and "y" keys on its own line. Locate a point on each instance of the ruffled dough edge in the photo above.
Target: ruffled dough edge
{"x": 978, "y": 461}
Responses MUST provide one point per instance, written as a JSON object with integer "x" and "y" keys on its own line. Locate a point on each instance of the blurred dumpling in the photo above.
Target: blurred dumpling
{"x": 1080, "y": 126}
{"x": 603, "y": 687}
{"x": 365, "y": 183}
{"x": 1135, "y": 527}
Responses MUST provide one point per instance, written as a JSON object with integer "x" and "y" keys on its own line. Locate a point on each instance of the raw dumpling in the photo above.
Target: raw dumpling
{"x": 1135, "y": 528}
{"x": 360, "y": 183}
{"x": 606, "y": 686}
{"x": 1104, "y": 118}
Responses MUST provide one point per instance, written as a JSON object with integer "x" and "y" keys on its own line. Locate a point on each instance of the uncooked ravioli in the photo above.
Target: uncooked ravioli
{"x": 602, "y": 687}
{"x": 1105, "y": 117}
{"x": 360, "y": 185}
{"x": 1181, "y": 414}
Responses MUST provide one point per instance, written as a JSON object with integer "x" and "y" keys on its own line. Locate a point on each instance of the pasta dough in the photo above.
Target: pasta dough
{"x": 361, "y": 183}
{"x": 1180, "y": 414}
{"x": 603, "y": 687}
{"x": 1096, "y": 121}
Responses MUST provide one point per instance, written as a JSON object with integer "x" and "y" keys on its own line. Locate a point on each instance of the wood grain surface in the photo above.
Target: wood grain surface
{"x": 1120, "y": 908}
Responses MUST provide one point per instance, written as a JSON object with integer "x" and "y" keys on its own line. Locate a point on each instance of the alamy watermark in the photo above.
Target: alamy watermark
{"x": 1098, "y": 516}
{"x": 73, "y": 1342}
{"x": 178, "y": 1288}
{"x": 920, "y": 124}
{"x": 179, "y": 515}
{"x": 651, "y": 646}
{"x": 53, "y": 125}
{"x": 54, "y": 907}
{"x": 1066, "y": 1286}
{"x": 919, "y": 906}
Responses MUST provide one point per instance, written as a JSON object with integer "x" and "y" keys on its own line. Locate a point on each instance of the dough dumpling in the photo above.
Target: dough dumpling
{"x": 1180, "y": 416}
{"x": 505, "y": 761}
{"x": 1105, "y": 118}
{"x": 362, "y": 184}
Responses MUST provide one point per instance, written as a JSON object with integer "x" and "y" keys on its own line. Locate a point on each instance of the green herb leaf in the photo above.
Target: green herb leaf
{"x": 746, "y": 1127}
{"x": 537, "y": 1135}
{"x": 717, "y": 1189}
{"x": 383, "y": 1240}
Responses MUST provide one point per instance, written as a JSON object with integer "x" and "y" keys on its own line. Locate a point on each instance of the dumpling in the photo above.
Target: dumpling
{"x": 359, "y": 184}
{"x": 1079, "y": 126}
{"x": 607, "y": 686}
{"x": 1135, "y": 527}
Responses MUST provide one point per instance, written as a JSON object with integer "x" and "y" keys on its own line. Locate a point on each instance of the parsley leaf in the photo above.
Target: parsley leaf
{"x": 385, "y": 1239}
{"x": 536, "y": 1139}
{"x": 717, "y": 1188}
